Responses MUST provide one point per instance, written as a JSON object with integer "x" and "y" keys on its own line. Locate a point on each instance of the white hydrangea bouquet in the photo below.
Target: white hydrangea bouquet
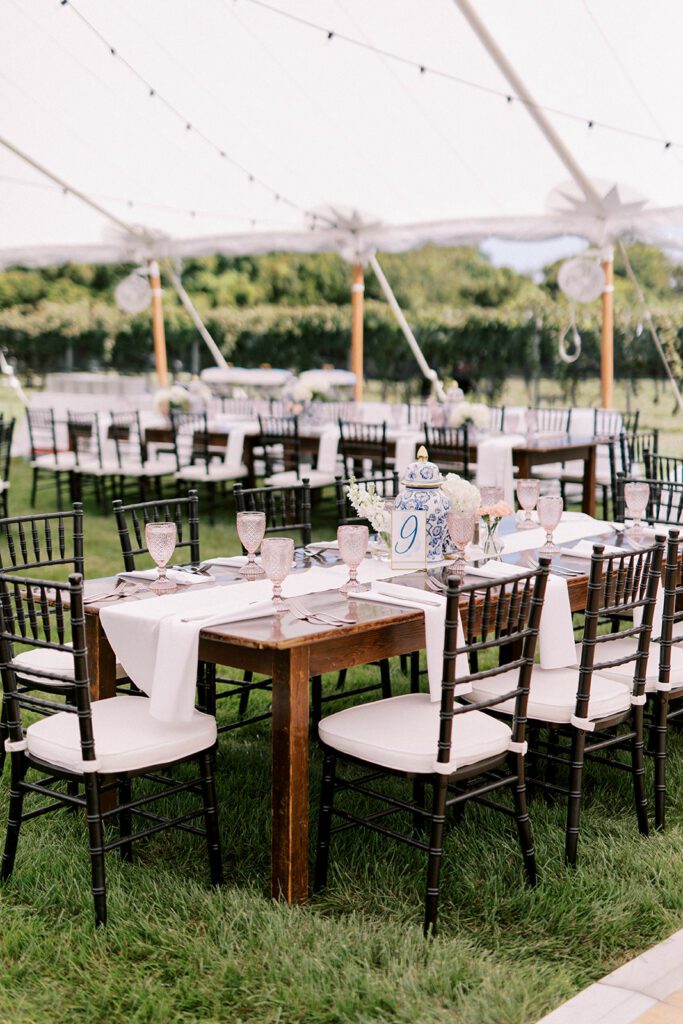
{"x": 474, "y": 413}
{"x": 462, "y": 495}
{"x": 175, "y": 397}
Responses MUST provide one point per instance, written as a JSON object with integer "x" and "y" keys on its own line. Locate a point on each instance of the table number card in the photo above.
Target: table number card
{"x": 408, "y": 539}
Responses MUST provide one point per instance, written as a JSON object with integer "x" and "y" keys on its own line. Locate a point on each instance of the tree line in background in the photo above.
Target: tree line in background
{"x": 474, "y": 321}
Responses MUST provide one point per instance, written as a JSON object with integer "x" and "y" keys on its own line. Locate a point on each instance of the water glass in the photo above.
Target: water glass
{"x": 528, "y": 492}
{"x": 353, "y": 543}
{"x": 161, "y": 541}
{"x": 549, "y": 514}
{"x": 277, "y": 555}
{"x": 637, "y": 496}
{"x": 461, "y": 532}
{"x": 251, "y": 528}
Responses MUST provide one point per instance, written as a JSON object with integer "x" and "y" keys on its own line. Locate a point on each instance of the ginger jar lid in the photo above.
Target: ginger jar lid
{"x": 422, "y": 472}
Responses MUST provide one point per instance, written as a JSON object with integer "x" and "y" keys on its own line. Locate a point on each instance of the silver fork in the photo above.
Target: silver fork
{"x": 437, "y": 585}
{"x": 124, "y": 588}
{"x": 327, "y": 619}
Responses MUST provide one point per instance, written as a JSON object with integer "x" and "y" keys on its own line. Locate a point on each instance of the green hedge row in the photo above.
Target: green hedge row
{"x": 485, "y": 344}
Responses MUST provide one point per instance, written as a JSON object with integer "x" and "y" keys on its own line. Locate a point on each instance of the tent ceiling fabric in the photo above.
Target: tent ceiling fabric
{"x": 320, "y": 123}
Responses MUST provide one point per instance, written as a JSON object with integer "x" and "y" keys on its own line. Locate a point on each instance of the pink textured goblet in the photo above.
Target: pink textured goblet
{"x": 161, "y": 541}
{"x": 549, "y": 514}
{"x": 277, "y": 555}
{"x": 353, "y": 543}
{"x": 636, "y": 496}
{"x": 461, "y": 532}
{"x": 251, "y": 527}
{"x": 528, "y": 492}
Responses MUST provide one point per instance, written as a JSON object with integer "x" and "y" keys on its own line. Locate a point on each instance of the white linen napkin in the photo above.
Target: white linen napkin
{"x": 434, "y": 608}
{"x": 572, "y": 526}
{"x": 183, "y": 579}
{"x": 494, "y": 464}
{"x": 584, "y": 549}
{"x": 327, "y": 449}
{"x": 495, "y": 570}
{"x": 231, "y": 560}
{"x": 325, "y": 545}
{"x": 234, "y": 449}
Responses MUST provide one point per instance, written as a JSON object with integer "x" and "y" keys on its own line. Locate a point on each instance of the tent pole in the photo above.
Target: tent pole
{"x": 607, "y": 333}
{"x": 408, "y": 334}
{"x": 158, "y": 331}
{"x": 357, "y": 296}
{"x": 196, "y": 319}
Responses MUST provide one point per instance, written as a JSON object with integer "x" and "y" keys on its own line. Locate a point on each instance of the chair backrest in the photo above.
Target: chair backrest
{"x": 279, "y": 440}
{"x": 125, "y": 435}
{"x": 38, "y": 541}
{"x": 506, "y": 618}
{"x": 238, "y": 406}
{"x": 611, "y": 422}
{"x": 663, "y": 467}
{"x": 497, "y": 418}
{"x": 360, "y": 443}
{"x": 385, "y": 485}
{"x": 632, "y": 448}
{"x": 449, "y": 448}
{"x": 619, "y": 586}
{"x": 42, "y": 432}
{"x": 555, "y": 421}
{"x": 665, "y": 503}
{"x": 132, "y": 519}
{"x": 45, "y": 614}
{"x": 287, "y": 509}
{"x": 190, "y": 432}
{"x": 84, "y": 438}
{"x": 6, "y": 432}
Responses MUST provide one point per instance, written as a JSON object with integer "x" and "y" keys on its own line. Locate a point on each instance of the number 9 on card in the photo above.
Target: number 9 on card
{"x": 408, "y": 539}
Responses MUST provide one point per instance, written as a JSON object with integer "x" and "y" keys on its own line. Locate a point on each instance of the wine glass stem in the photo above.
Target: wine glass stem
{"x": 527, "y": 515}
{"x": 549, "y": 537}
{"x": 353, "y": 574}
{"x": 251, "y": 558}
{"x": 277, "y": 597}
{"x": 161, "y": 566}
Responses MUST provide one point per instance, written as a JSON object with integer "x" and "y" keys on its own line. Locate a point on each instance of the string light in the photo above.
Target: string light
{"x": 449, "y": 76}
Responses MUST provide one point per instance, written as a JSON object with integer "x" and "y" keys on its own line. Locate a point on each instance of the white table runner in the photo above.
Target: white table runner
{"x": 494, "y": 464}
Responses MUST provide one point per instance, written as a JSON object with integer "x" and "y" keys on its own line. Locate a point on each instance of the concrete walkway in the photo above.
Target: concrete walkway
{"x": 648, "y": 990}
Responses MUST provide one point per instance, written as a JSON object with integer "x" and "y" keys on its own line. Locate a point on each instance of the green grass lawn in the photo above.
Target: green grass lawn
{"x": 176, "y": 951}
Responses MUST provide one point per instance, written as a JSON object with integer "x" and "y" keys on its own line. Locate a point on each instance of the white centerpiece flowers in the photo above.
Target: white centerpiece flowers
{"x": 175, "y": 397}
{"x": 370, "y": 505}
{"x": 475, "y": 414}
{"x": 462, "y": 495}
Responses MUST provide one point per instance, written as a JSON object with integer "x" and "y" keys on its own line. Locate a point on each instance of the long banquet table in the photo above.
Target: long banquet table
{"x": 291, "y": 651}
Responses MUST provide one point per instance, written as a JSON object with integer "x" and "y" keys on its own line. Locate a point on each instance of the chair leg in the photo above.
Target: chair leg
{"x": 403, "y": 663}
{"x": 526, "y": 838}
{"x": 415, "y": 672}
{"x": 125, "y": 818}
{"x": 213, "y": 842}
{"x": 575, "y": 796}
{"x": 96, "y": 842}
{"x": 16, "y": 803}
{"x": 638, "y": 769}
{"x": 244, "y": 696}
{"x": 658, "y": 732}
{"x": 34, "y": 486}
{"x": 322, "y": 860}
{"x": 4, "y": 735}
{"x": 385, "y": 676}
{"x": 435, "y": 852}
{"x": 316, "y": 701}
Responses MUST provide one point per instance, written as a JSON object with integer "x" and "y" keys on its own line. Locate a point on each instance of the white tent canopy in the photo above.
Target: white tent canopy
{"x": 232, "y": 125}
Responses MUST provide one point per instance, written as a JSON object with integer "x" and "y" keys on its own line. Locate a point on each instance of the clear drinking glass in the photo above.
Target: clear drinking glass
{"x": 549, "y": 514}
{"x": 461, "y": 532}
{"x": 637, "y": 496}
{"x": 353, "y": 543}
{"x": 161, "y": 541}
{"x": 277, "y": 555}
{"x": 251, "y": 528}
{"x": 527, "y": 495}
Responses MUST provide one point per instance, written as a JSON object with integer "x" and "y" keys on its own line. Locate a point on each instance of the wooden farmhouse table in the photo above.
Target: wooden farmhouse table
{"x": 291, "y": 652}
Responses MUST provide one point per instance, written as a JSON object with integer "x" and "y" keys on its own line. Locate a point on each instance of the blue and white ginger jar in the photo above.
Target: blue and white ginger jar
{"x": 422, "y": 491}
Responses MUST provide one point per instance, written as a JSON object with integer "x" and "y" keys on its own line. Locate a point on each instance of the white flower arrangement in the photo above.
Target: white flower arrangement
{"x": 175, "y": 397}
{"x": 200, "y": 392}
{"x": 462, "y": 495}
{"x": 476, "y": 413}
{"x": 369, "y": 505}
{"x": 318, "y": 384}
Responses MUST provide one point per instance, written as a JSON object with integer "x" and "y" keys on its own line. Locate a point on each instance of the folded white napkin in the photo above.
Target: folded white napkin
{"x": 327, "y": 449}
{"x": 325, "y": 545}
{"x": 494, "y": 464}
{"x": 584, "y": 549}
{"x": 434, "y": 608}
{"x": 494, "y": 570}
{"x": 183, "y": 579}
{"x": 232, "y": 560}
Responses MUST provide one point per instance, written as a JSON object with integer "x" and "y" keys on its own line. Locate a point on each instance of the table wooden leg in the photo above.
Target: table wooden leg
{"x": 289, "y": 839}
{"x": 101, "y": 660}
{"x": 588, "y": 501}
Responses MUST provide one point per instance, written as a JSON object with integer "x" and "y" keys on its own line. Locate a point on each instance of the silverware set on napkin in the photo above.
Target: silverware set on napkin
{"x": 321, "y": 618}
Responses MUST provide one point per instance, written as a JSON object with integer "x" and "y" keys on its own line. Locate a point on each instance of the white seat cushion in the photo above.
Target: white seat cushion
{"x": 552, "y": 694}
{"x": 47, "y": 660}
{"x": 316, "y": 478}
{"x": 216, "y": 471}
{"x": 403, "y": 733}
{"x": 127, "y": 738}
{"x": 62, "y": 460}
{"x": 550, "y": 471}
{"x": 624, "y": 673}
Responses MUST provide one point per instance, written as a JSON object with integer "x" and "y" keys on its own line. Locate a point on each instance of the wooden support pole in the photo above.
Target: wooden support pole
{"x": 158, "y": 332}
{"x": 607, "y": 335}
{"x": 357, "y": 292}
